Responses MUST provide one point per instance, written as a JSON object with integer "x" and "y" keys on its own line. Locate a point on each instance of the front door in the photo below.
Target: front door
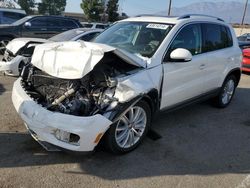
{"x": 36, "y": 29}
{"x": 183, "y": 80}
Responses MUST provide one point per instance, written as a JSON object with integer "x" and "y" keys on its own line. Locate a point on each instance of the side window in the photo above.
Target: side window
{"x": 68, "y": 23}
{"x": 98, "y": 26}
{"x": 89, "y": 37}
{"x": 188, "y": 38}
{"x": 216, "y": 37}
{"x": 87, "y": 25}
{"x": 38, "y": 22}
{"x": 53, "y": 23}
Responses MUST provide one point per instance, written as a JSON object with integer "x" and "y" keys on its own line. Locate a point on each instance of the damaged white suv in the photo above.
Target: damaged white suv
{"x": 74, "y": 94}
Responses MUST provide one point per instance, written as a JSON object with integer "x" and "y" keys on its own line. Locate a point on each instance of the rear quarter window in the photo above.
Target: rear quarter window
{"x": 216, "y": 37}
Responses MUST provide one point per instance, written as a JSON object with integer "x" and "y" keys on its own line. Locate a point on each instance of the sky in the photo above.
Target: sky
{"x": 135, "y": 7}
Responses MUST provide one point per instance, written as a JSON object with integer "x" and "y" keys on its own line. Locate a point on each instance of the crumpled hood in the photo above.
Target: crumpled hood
{"x": 74, "y": 60}
{"x": 18, "y": 43}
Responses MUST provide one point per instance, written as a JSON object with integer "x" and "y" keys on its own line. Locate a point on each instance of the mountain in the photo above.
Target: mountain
{"x": 230, "y": 11}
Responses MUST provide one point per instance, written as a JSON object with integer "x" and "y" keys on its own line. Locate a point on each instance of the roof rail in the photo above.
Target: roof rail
{"x": 154, "y": 15}
{"x": 198, "y": 15}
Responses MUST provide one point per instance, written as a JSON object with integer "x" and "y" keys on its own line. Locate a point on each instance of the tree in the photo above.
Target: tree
{"x": 27, "y": 5}
{"x": 112, "y": 10}
{"x": 52, "y": 7}
{"x": 92, "y": 9}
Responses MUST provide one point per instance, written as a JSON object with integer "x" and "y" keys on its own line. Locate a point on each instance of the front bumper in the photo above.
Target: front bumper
{"x": 11, "y": 67}
{"x": 43, "y": 123}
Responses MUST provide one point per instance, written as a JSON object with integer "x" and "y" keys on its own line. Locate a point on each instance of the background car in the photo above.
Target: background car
{"x": 244, "y": 37}
{"x": 19, "y": 51}
{"x": 246, "y": 60}
{"x": 8, "y": 16}
{"x": 244, "y": 44}
{"x": 36, "y": 27}
{"x": 94, "y": 25}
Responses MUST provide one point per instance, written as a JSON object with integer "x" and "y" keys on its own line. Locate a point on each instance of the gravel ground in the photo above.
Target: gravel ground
{"x": 201, "y": 146}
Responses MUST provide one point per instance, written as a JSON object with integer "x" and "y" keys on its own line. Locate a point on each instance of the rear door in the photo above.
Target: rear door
{"x": 217, "y": 46}
{"x": 37, "y": 28}
{"x": 59, "y": 25}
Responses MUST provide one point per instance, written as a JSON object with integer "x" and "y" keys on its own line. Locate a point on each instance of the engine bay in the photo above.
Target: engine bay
{"x": 90, "y": 95}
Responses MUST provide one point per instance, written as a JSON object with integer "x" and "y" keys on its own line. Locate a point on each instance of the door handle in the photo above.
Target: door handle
{"x": 202, "y": 66}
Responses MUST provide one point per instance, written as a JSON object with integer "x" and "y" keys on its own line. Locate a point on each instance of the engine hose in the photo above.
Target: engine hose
{"x": 63, "y": 97}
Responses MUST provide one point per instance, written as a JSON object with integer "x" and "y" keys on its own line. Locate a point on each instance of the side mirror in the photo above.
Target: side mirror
{"x": 27, "y": 24}
{"x": 181, "y": 55}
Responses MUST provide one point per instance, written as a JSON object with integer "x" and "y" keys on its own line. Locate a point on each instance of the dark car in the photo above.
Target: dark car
{"x": 244, "y": 44}
{"x": 37, "y": 27}
{"x": 244, "y": 37}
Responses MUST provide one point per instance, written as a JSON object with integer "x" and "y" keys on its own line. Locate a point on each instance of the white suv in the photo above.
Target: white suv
{"x": 75, "y": 94}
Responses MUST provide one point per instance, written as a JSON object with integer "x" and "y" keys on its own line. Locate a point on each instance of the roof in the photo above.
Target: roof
{"x": 174, "y": 19}
{"x": 53, "y": 16}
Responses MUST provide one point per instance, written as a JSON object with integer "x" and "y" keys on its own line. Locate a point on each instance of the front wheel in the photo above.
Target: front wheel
{"x": 125, "y": 135}
{"x": 226, "y": 93}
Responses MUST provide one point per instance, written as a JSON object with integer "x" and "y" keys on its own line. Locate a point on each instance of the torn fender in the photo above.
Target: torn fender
{"x": 138, "y": 84}
{"x": 74, "y": 60}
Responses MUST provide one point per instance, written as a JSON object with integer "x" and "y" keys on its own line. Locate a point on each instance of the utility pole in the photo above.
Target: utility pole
{"x": 243, "y": 18}
{"x": 169, "y": 7}
{"x": 244, "y": 14}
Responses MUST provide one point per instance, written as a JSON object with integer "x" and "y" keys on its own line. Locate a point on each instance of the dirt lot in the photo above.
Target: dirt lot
{"x": 201, "y": 146}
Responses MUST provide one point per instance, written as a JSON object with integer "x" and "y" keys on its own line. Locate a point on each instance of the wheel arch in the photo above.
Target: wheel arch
{"x": 152, "y": 98}
{"x": 236, "y": 72}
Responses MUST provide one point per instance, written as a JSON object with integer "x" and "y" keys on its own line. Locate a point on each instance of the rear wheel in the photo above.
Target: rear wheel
{"x": 125, "y": 135}
{"x": 226, "y": 93}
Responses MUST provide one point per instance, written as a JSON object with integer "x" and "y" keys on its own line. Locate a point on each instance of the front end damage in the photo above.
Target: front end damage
{"x": 18, "y": 53}
{"x": 70, "y": 99}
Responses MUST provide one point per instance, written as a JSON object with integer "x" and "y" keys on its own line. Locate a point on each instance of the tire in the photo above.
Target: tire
{"x": 226, "y": 93}
{"x": 3, "y": 43}
{"x": 126, "y": 135}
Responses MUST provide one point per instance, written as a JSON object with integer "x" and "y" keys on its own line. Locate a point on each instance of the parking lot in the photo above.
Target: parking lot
{"x": 201, "y": 146}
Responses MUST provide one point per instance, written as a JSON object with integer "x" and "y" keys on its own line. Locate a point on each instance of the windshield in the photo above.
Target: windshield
{"x": 135, "y": 37}
{"x": 66, "y": 36}
{"x": 21, "y": 21}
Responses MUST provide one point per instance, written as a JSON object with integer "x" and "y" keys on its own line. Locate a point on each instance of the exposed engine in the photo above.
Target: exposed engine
{"x": 87, "y": 96}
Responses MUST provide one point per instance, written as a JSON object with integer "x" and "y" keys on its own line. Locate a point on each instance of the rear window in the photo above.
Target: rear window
{"x": 98, "y": 26}
{"x": 216, "y": 37}
{"x": 87, "y": 25}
